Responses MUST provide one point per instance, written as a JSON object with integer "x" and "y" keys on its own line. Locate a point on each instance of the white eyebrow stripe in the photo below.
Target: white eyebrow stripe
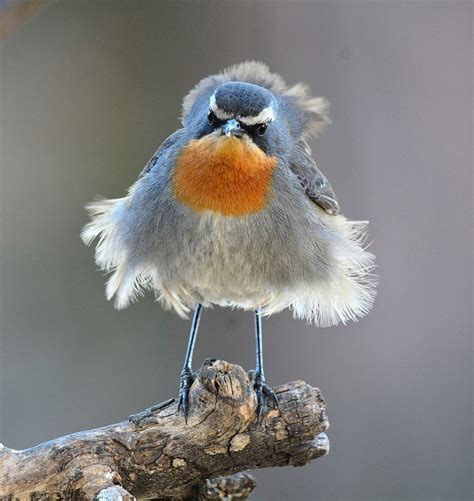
{"x": 220, "y": 114}
{"x": 266, "y": 115}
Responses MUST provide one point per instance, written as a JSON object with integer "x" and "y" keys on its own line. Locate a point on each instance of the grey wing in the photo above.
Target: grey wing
{"x": 167, "y": 143}
{"x": 312, "y": 179}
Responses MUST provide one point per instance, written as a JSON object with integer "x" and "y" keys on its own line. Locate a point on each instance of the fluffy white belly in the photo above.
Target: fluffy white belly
{"x": 321, "y": 273}
{"x": 283, "y": 257}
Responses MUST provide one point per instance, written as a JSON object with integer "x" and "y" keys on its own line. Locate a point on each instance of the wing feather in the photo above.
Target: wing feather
{"x": 314, "y": 182}
{"x": 165, "y": 146}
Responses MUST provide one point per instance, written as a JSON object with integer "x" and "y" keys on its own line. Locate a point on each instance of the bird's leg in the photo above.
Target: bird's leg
{"x": 186, "y": 378}
{"x": 261, "y": 389}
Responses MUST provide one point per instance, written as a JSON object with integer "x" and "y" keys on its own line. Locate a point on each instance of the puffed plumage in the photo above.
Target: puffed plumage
{"x": 242, "y": 221}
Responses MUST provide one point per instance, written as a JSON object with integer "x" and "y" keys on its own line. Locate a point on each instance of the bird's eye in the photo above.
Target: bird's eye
{"x": 261, "y": 129}
{"x": 211, "y": 118}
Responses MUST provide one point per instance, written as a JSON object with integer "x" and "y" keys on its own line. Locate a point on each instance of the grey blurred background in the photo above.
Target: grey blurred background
{"x": 89, "y": 89}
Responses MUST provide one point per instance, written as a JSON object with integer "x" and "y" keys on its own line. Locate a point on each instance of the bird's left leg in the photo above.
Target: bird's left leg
{"x": 261, "y": 389}
{"x": 186, "y": 379}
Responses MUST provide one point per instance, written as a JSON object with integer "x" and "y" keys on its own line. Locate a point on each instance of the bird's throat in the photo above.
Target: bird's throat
{"x": 227, "y": 175}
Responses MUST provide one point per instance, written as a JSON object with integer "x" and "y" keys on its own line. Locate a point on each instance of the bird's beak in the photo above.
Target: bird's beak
{"x": 232, "y": 128}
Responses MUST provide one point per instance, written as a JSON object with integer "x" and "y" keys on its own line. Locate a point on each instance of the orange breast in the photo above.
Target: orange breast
{"x": 223, "y": 174}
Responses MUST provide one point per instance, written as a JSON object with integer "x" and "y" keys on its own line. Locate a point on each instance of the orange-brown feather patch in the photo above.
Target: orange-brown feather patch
{"x": 223, "y": 174}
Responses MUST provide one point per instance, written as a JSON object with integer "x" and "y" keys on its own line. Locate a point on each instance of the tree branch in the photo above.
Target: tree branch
{"x": 154, "y": 454}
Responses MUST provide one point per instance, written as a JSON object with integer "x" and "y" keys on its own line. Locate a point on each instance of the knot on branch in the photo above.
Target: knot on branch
{"x": 156, "y": 454}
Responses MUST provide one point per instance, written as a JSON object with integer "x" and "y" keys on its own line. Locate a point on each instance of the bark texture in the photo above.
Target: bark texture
{"x": 156, "y": 455}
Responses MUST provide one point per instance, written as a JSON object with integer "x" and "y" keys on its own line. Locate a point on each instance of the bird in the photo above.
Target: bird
{"x": 232, "y": 210}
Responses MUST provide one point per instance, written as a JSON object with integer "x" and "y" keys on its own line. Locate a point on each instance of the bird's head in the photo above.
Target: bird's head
{"x": 249, "y": 102}
{"x": 241, "y": 108}
{"x": 242, "y": 111}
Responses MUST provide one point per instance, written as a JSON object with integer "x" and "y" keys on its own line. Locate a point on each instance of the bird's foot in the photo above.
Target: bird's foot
{"x": 185, "y": 382}
{"x": 263, "y": 393}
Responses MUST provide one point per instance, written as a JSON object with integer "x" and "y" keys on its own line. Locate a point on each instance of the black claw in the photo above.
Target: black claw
{"x": 270, "y": 393}
{"x": 263, "y": 393}
{"x": 185, "y": 382}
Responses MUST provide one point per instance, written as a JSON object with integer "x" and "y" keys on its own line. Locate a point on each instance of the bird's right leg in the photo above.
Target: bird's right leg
{"x": 262, "y": 390}
{"x": 187, "y": 378}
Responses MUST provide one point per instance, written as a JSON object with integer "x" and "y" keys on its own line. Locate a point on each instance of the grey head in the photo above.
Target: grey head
{"x": 248, "y": 103}
{"x": 244, "y": 91}
{"x": 244, "y": 109}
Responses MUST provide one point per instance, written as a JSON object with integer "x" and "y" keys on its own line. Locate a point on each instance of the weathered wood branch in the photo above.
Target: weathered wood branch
{"x": 155, "y": 454}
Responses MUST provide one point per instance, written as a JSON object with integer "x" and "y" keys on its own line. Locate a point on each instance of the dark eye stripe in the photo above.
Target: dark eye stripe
{"x": 261, "y": 129}
{"x": 257, "y": 129}
{"x": 212, "y": 119}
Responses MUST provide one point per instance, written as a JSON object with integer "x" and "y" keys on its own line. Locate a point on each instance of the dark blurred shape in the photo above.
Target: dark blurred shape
{"x": 13, "y": 13}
